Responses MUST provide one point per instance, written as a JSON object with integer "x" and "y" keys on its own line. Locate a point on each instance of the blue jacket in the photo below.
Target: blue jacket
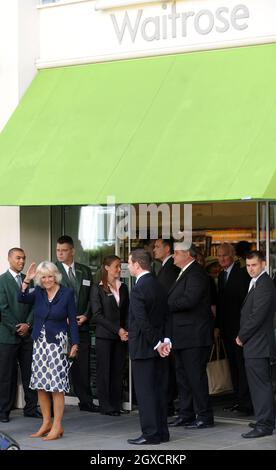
{"x": 53, "y": 314}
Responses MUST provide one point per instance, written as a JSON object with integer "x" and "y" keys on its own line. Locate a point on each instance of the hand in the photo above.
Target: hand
{"x": 216, "y": 333}
{"x": 30, "y": 274}
{"x": 123, "y": 334}
{"x": 164, "y": 349}
{"x": 238, "y": 341}
{"x": 73, "y": 351}
{"x": 81, "y": 319}
{"x": 22, "y": 329}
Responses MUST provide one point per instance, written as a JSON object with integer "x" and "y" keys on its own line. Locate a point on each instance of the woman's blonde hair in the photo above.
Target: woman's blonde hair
{"x": 47, "y": 268}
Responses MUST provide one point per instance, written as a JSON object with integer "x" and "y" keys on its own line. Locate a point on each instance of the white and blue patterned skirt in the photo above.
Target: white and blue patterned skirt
{"x": 50, "y": 364}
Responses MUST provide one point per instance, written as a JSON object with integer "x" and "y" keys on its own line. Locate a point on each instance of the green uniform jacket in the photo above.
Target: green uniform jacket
{"x": 12, "y": 312}
{"x": 84, "y": 283}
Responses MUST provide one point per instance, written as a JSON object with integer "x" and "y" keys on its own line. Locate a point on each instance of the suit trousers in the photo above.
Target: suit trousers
{"x": 151, "y": 385}
{"x": 238, "y": 373}
{"x": 80, "y": 370}
{"x": 110, "y": 360}
{"x": 192, "y": 382}
{"x": 259, "y": 377}
{"x": 10, "y": 356}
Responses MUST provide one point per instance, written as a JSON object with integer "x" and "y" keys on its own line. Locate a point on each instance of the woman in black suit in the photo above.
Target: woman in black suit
{"x": 109, "y": 303}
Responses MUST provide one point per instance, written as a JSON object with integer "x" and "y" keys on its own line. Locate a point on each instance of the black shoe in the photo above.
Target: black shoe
{"x": 124, "y": 412}
{"x": 89, "y": 407}
{"x": 165, "y": 439}
{"x": 179, "y": 422}
{"x": 4, "y": 419}
{"x": 139, "y": 441}
{"x": 257, "y": 432}
{"x": 199, "y": 425}
{"x": 34, "y": 414}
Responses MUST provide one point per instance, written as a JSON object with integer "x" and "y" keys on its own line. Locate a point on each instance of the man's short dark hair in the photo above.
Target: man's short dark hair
{"x": 12, "y": 250}
{"x": 142, "y": 257}
{"x": 168, "y": 242}
{"x": 256, "y": 254}
{"x": 65, "y": 239}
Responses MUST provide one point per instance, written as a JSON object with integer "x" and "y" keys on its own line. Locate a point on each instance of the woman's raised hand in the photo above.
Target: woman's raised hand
{"x": 30, "y": 274}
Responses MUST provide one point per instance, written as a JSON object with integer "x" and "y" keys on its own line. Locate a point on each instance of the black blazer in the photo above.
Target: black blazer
{"x": 257, "y": 314}
{"x": 230, "y": 300}
{"x": 168, "y": 274}
{"x": 109, "y": 317}
{"x": 149, "y": 320}
{"x": 189, "y": 302}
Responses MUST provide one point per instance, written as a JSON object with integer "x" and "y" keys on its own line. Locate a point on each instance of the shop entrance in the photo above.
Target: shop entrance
{"x": 95, "y": 230}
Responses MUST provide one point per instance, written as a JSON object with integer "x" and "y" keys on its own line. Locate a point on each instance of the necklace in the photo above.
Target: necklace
{"x": 50, "y": 298}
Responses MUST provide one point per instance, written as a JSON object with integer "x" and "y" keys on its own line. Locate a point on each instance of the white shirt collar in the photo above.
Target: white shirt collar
{"x": 229, "y": 269}
{"x": 254, "y": 280}
{"x": 13, "y": 273}
{"x": 66, "y": 267}
{"x": 165, "y": 260}
{"x": 141, "y": 274}
{"x": 184, "y": 269}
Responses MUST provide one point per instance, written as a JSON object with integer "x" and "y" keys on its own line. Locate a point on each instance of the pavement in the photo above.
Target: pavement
{"x": 93, "y": 431}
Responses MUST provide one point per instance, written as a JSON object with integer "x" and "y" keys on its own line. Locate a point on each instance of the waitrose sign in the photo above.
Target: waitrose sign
{"x": 172, "y": 22}
{"x": 99, "y": 30}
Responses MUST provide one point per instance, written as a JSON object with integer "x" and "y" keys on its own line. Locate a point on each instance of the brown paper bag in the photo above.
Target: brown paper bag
{"x": 218, "y": 370}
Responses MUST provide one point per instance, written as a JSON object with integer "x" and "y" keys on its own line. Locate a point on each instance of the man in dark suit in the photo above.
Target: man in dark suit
{"x": 163, "y": 251}
{"x": 16, "y": 345}
{"x": 189, "y": 302}
{"x": 233, "y": 282}
{"x": 149, "y": 344}
{"x": 256, "y": 337}
{"x": 79, "y": 277}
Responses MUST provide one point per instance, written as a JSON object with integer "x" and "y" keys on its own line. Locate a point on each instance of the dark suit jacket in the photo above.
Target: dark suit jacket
{"x": 189, "y": 302}
{"x": 109, "y": 317}
{"x": 12, "y": 312}
{"x": 53, "y": 315}
{"x": 256, "y": 330}
{"x": 149, "y": 320}
{"x": 168, "y": 274}
{"x": 230, "y": 299}
{"x": 84, "y": 283}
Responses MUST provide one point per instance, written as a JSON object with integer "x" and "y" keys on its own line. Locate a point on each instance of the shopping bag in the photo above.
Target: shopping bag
{"x": 218, "y": 370}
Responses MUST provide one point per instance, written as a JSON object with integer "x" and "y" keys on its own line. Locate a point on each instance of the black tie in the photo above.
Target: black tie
{"x": 225, "y": 276}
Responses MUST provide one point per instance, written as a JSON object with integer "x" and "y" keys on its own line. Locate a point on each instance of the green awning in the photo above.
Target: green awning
{"x": 191, "y": 127}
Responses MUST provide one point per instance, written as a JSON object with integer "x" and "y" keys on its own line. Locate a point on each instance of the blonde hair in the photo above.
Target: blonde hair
{"x": 47, "y": 268}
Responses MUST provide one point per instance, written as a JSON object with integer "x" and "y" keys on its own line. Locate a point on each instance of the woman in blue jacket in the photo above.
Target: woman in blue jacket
{"x": 54, "y": 317}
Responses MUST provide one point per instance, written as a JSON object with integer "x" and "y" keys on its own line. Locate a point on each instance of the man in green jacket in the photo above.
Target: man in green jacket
{"x": 78, "y": 277}
{"x": 16, "y": 345}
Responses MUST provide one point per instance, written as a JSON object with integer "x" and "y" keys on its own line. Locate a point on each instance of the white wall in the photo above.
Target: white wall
{"x": 9, "y": 233}
{"x": 19, "y": 45}
{"x": 18, "y": 52}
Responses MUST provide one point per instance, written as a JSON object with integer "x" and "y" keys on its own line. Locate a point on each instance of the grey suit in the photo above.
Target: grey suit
{"x": 256, "y": 334}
